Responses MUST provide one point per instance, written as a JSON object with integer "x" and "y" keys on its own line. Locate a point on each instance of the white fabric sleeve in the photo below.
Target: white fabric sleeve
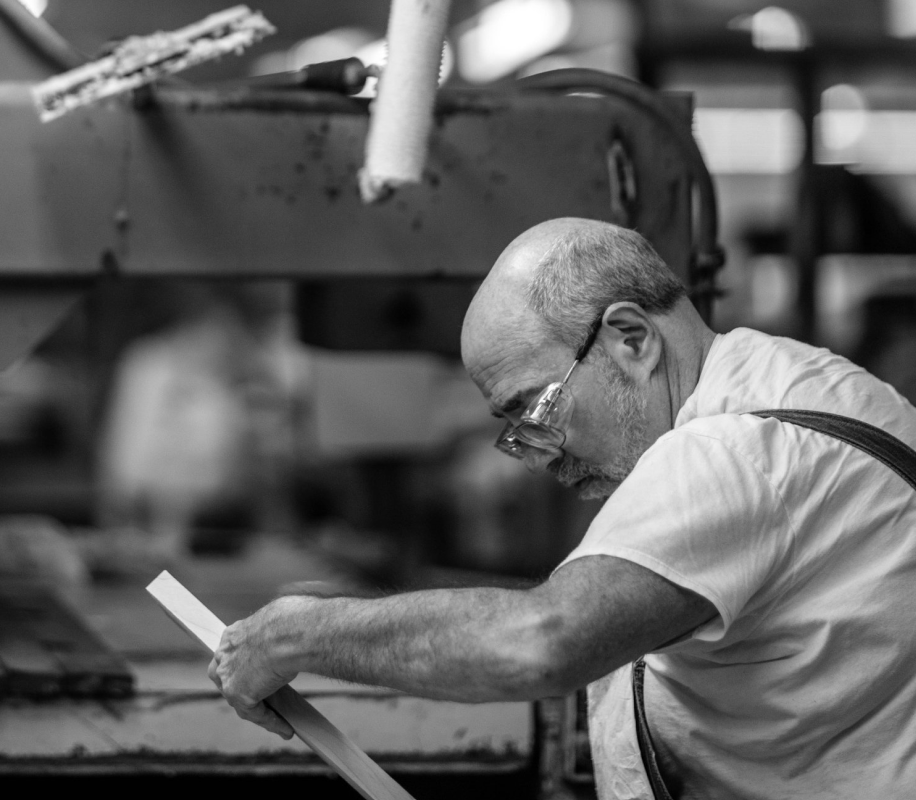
{"x": 703, "y": 516}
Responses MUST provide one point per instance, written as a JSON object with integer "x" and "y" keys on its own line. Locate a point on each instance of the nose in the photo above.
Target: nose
{"x": 537, "y": 460}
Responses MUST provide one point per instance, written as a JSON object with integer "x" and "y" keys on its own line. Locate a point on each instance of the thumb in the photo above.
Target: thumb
{"x": 267, "y": 718}
{"x": 276, "y": 723}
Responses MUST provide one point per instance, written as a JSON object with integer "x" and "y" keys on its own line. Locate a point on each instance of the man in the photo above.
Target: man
{"x": 767, "y": 569}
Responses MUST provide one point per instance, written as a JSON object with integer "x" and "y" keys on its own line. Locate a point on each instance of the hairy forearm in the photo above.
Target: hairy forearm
{"x": 472, "y": 645}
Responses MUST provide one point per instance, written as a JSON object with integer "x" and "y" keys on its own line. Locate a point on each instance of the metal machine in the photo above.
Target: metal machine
{"x": 241, "y": 182}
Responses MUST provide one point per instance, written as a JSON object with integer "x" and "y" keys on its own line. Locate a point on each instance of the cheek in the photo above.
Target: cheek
{"x": 594, "y": 441}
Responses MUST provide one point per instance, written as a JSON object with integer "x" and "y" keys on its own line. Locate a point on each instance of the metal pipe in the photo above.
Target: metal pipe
{"x": 40, "y": 36}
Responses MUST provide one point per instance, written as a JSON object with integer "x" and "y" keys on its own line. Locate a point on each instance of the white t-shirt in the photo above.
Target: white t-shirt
{"x": 804, "y": 685}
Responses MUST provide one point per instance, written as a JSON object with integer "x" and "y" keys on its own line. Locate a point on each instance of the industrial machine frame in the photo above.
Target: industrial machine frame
{"x": 238, "y": 183}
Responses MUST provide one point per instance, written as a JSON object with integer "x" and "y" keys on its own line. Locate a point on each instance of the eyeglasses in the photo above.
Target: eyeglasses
{"x": 546, "y": 419}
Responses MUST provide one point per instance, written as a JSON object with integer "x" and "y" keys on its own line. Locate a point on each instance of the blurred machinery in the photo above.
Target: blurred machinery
{"x": 241, "y": 182}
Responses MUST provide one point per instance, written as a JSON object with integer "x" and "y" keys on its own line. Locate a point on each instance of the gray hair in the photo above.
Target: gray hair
{"x": 586, "y": 270}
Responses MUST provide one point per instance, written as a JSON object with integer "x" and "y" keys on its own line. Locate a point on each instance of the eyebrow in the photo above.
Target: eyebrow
{"x": 519, "y": 400}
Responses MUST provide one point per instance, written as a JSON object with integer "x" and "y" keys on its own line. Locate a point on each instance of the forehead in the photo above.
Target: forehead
{"x": 511, "y": 372}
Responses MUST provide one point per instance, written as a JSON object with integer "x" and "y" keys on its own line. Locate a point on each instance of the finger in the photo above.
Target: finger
{"x": 213, "y": 674}
{"x": 223, "y": 640}
{"x": 261, "y": 715}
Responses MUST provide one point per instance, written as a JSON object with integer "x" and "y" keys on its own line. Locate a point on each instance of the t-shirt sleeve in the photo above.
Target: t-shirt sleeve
{"x": 701, "y": 514}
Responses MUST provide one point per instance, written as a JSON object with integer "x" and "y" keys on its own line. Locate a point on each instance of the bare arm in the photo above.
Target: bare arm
{"x": 471, "y": 645}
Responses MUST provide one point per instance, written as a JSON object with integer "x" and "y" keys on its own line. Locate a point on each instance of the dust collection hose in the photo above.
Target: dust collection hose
{"x": 708, "y": 256}
{"x": 402, "y": 115}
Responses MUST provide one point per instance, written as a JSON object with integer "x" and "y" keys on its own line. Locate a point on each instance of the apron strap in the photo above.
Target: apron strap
{"x": 646, "y": 747}
{"x": 889, "y": 450}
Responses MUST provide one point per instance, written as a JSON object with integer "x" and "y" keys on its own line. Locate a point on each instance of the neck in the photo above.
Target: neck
{"x": 687, "y": 342}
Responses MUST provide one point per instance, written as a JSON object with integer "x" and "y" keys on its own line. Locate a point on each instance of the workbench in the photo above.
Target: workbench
{"x": 176, "y": 723}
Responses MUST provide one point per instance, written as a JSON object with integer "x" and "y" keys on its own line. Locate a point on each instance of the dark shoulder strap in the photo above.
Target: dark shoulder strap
{"x": 878, "y": 443}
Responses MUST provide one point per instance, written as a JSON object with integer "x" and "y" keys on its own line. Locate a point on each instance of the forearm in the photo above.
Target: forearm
{"x": 471, "y": 645}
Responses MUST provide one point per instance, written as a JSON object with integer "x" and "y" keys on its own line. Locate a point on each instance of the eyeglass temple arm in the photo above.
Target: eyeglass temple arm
{"x": 590, "y": 339}
{"x": 586, "y": 345}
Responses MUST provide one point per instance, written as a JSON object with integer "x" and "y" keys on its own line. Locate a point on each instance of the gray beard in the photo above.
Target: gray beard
{"x": 628, "y": 407}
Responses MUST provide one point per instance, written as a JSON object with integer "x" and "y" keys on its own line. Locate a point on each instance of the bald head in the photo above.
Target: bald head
{"x": 499, "y": 310}
{"x": 553, "y": 280}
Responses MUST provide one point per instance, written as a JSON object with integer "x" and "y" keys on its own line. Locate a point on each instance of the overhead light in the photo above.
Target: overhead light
{"x": 901, "y": 18}
{"x": 749, "y": 141}
{"x": 774, "y": 28}
{"x": 843, "y": 119}
{"x": 37, "y": 7}
{"x": 509, "y": 34}
{"x": 884, "y": 146}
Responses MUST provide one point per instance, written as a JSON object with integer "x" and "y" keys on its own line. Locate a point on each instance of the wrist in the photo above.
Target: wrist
{"x": 285, "y": 634}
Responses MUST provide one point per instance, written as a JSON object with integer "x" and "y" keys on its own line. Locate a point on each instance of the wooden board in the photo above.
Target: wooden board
{"x": 46, "y": 650}
{"x": 331, "y": 744}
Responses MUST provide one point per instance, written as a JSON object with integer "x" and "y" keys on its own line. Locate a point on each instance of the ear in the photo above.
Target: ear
{"x": 632, "y": 339}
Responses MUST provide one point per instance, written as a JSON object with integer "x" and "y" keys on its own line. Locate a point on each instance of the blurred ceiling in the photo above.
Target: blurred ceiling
{"x": 89, "y": 24}
{"x": 827, "y": 20}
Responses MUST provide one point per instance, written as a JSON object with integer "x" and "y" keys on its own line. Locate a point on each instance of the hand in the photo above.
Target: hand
{"x": 245, "y": 672}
